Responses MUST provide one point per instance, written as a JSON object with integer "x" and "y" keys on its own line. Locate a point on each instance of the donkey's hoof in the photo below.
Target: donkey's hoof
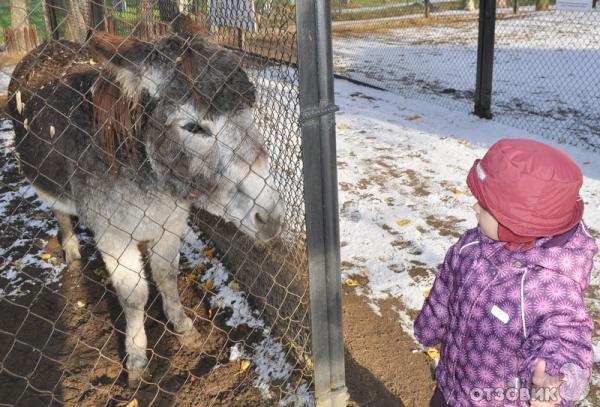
{"x": 75, "y": 265}
{"x": 134, "y": 379}
{"x": 191, "y": 340}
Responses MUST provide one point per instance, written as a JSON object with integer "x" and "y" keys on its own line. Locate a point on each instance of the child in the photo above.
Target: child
{"x": 507, "y": 303}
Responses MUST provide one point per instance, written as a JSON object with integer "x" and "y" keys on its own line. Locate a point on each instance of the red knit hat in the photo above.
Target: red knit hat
{"x": 531, "y": 188}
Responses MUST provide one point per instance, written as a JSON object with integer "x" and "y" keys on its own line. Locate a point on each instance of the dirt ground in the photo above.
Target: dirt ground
{"x": 382, "y": 366}
{"x": 80, "y": 362}
{"x": 65, "y": 345}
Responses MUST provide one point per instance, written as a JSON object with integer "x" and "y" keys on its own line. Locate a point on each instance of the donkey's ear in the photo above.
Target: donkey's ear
{"x": 123, "y": 57}
{"x": 185, "y": 26}
{"x": 122, "y": 52}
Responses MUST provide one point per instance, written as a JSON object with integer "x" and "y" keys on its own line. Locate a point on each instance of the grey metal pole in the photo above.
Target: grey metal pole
{"x": 485, "y": 59}
{"x": 317, "y": 121}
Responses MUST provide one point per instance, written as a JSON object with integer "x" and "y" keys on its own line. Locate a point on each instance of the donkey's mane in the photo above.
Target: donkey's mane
{"x": 118, "y": 118}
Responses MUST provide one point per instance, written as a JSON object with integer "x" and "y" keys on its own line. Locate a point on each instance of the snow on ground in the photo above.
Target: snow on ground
{"x": 402, "y": 167}
{"x": 545, "y": 71}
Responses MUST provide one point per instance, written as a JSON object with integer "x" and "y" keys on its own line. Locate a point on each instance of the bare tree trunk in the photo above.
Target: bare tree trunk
{"x": 143, "y": 28}
{"x": 18, "y": 13}
{"x": 168, "y": 10}
{"x": 541, "y": 5}
{"x": 77, "y": 19}
{"x": 469, "y": 5}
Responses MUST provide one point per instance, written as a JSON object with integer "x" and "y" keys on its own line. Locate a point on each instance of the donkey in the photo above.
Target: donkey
{"x": 128, "y": 136}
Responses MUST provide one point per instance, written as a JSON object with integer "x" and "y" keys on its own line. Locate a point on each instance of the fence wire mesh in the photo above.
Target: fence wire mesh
{"x": 545, "y": 61}
{"x": 182, "y": 279}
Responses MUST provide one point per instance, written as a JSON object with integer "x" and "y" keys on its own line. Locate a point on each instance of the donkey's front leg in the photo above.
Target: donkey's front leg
{"x": 124, "y": 263}
{"x": 164, "y": 262}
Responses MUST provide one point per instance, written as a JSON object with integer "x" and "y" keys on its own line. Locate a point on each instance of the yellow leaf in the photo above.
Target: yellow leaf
{"x": 209, "y": 253}
{"x": 364, "y": 272}
{"x": 426, "y": 293}
{"x": 433, "y": 353}
{"x": 244, "y": 366}
{"x": 413, "y": 118}
{"x": 235, "y": 286}
{"x": 403, "y": 222}
{"x": 133, "y": 403}
{"x": 189, "y": 279}
{"x": 457, "y": 191}
{"x": 343, "y": 126}
{"x": 46, "y": 256}
{"x": 350, "y": 282}
{"x": 199, "y": 269}
{"x": 463, "y": 142}
{"x": 562, "y": 140}
{"x": 209, "y": 284}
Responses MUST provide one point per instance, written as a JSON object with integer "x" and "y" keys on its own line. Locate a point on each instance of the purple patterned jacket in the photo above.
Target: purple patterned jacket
{"x": 496, "y": 311}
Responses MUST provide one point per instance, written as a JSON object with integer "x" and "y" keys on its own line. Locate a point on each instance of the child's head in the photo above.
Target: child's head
{"x": 525, "y": 190}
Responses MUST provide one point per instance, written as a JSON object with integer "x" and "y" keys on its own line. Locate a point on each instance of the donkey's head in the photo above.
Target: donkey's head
{"x": 198, "y": 127}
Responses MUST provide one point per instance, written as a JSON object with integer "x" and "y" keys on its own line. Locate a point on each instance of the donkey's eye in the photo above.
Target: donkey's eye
{"x": 194, "y": 128}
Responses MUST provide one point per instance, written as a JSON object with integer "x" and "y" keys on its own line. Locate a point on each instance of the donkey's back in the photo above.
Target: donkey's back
{"x": 49, "y": 101}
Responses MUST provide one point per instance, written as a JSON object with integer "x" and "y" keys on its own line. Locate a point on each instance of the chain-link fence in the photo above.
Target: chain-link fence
{"x": 545, "y": 61}
{"x": 157, "y": 210}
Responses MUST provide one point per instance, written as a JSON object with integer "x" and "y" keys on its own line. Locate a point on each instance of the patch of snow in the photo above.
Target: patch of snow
{"x": 268, "y": 357}
{"x": 542, "y": 65}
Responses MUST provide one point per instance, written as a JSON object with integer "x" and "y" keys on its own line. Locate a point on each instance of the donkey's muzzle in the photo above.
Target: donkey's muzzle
{"x": 268, "y": 225}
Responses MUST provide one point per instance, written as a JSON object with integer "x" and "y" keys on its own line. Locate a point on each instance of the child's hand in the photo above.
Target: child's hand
{"x": 543, "y": 380}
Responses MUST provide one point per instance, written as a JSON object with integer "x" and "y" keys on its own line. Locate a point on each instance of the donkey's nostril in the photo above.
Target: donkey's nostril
{"x": 260, "y": 219}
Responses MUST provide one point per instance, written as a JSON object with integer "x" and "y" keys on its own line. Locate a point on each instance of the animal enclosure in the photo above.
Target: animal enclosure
{"x": 169, "y": 212}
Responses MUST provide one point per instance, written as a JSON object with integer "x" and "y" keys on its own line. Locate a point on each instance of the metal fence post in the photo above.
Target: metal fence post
{"x": 485, "y": 59}
{"x": 317, "y": 120}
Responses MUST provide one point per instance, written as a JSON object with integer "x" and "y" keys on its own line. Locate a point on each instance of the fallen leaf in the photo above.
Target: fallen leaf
{"x": 92, "y": 62}
{"x": 244, "y": 366}
{"x": 426, "y": 293}
{"x": 199, "y": 269}
{"x": 189, "y": 279}
{"x": 209, "y": 253}
{"x": 350, "y": 282}
{"x": 457, "y": 191}
{"x": 235, "y": 286}
{"x": 80, "y": 304}
{"x": 52, "y": 132}
{"x": 133, "y": 403}
{"x": 433, "y": 353}
{"x": 46, "y": 256}
{"x": 343, "y": 126}
{"x": 243, "y": 329}
{"x": 464, "y": 142}
{"x": 212, "y": 312}
{"x": 208, "y": 284}
{"x": 403, "y": 222}
{"x": 413, "y": 118}
{"x": 562, "y": 140}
